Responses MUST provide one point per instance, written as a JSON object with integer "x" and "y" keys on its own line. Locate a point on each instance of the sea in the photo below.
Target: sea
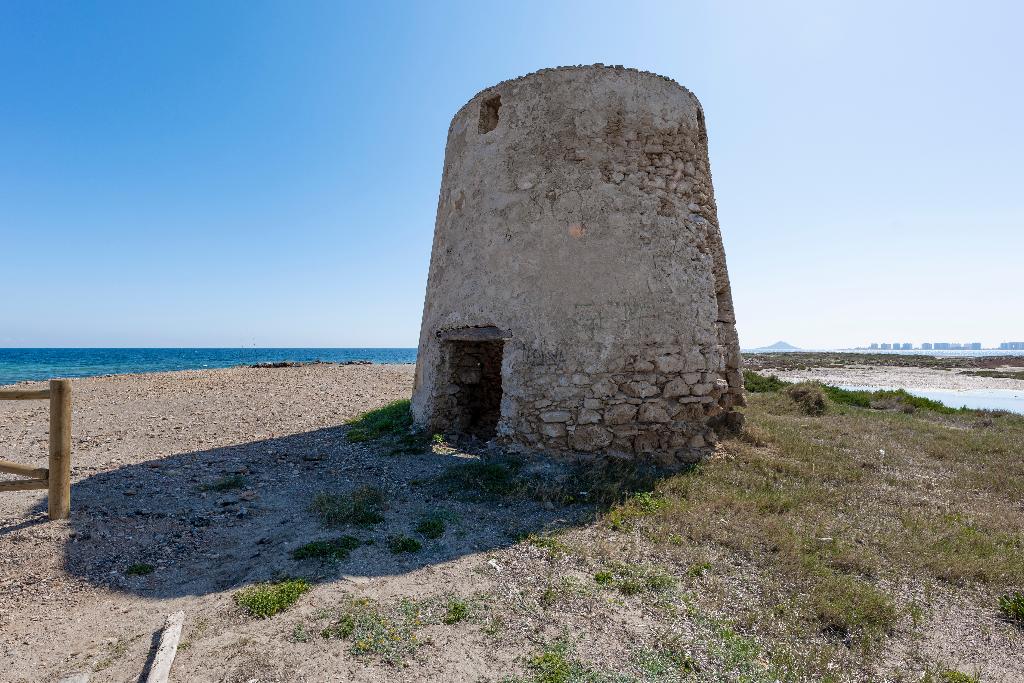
{"x": 19, "y": 365}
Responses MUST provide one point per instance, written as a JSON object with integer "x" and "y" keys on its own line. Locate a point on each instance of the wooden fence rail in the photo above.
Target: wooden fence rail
{"x": 57, "y": 477}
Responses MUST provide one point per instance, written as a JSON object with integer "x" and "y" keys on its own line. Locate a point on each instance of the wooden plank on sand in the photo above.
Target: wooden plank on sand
{"x": 168, "y": 648}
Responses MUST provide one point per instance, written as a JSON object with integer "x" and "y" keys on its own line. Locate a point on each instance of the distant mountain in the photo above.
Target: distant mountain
{"x": 778, "y": 346}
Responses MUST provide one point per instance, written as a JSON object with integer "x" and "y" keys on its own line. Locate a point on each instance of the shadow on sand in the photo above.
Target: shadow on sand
{"x": 162, "y": 529}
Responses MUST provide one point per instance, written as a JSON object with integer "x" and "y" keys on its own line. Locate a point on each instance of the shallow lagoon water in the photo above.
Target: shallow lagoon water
{"x": 1011, "y": 400}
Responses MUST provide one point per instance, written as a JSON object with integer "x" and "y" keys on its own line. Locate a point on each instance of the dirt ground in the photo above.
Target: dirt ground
{"x": 531, "y": 576}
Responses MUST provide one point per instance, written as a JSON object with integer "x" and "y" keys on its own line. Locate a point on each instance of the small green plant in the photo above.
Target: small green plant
{"x": 139, "y": 569}
{"x": 431, "y": 526}
{"x": 666, "y": 663}
{"x": 404, "y": 544}
{"x": 373, "y": 631}
{"x": 1012, "y": 607}
{"x": 554, "y": 665}
{"x": 267, "y": 599}
{"x": 633, "y": 579}
{"x": 226, "y": 483}
{"x": 455, "y": 611}
{"x": 954, "y": 676}
{"x": 555, "y": 546}
{"x": 361, "y": 507}
{"x": 300, "y": 634}
{"x": 336, "y": 549}
{"x": 758, "y": 383}
{"x": 699, "y": 568}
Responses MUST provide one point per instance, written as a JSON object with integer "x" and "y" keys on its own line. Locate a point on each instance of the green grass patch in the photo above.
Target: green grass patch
{"x": 394, "y": 419}
{"x": 1011, "y": 606}
{"x": 226, "y": 483}
{"x": 267, "y": 599}
{"x": 431, "y": 526}
{"x": 479, "y": 479}
{"x": 852, "y": 608}
{"x": 404, "y": 544}
{"x": 336, "y": 549}
{"x": 555, "y": 665}
{"x": 361, "y": 507}
{"x": 139, "y": 569}
{"x": 392, "y": 422}
{"x": 643, "y": 504}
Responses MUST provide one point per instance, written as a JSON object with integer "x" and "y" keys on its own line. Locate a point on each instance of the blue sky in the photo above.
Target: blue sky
{"x": 239, "y": 173}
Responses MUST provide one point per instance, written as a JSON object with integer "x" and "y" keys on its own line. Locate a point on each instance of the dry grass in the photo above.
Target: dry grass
{"x": 836, "y": 510}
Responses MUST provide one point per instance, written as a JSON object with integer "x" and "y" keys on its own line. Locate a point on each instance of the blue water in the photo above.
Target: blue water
{"x": 17, "y": 365}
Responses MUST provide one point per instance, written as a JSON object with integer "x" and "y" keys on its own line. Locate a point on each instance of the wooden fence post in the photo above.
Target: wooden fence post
{"x": 59, "y": 498}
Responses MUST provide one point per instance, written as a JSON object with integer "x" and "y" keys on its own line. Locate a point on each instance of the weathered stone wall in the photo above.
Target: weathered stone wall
{"x": 577, "y": 217}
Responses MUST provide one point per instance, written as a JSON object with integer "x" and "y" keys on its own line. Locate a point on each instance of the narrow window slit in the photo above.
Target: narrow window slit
{"x": 489, "y": 113}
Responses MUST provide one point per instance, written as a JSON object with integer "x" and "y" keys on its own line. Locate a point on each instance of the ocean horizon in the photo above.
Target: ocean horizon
{"x": 28, "y": 364}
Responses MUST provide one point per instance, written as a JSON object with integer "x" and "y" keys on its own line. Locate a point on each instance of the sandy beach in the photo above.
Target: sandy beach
{"x": 149, "y": 453}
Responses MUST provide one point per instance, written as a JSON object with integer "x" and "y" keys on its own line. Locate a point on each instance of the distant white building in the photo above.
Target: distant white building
{"x": 926, "y": 346}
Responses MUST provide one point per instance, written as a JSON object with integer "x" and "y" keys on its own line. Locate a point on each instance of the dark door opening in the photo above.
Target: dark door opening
{"x": 476, "y": 374}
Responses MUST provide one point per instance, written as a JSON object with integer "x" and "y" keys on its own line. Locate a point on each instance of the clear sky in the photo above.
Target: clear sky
{"x": 240, "y": 173}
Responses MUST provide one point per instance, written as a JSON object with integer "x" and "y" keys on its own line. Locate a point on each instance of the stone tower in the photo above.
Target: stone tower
{"x": 578, "y": 299}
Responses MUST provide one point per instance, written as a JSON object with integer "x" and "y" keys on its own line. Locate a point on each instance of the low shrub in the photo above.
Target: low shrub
{"x": 809, "y": 396}
{"x": 404, "y": 544}
{"x": 757, "y": 383}
{"x": 431, "y": 526}
{"x": 330, "y": 549}
{"x": 139, "y": 569}
{"x": 225, "y": 483}
{"x": 886, "y": 399}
